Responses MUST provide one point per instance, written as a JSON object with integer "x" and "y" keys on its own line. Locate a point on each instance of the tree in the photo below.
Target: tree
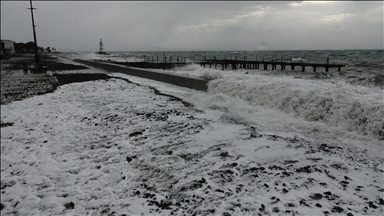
{"x": 41, "y": 49}
{"x": 29, "y": 47}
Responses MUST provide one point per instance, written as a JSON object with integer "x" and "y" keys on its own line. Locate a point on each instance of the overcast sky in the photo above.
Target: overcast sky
{"x": 216, "y": 25}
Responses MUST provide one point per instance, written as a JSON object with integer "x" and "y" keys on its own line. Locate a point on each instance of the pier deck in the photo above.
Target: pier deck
{"x": 244, "y": 64}
{"x": 233, "y": 64}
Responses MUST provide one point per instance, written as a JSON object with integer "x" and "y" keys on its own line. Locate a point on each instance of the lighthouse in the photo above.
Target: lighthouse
{"x": 101, "y": 46}
{"x": 101, "y": 49}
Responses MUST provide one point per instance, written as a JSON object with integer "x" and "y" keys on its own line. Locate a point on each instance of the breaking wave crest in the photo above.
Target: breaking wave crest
{"x": 354, "y": 108}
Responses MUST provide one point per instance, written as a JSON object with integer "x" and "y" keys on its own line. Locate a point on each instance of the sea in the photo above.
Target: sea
{"x": 347, "y": 103}
{"x": 363, "y": 67}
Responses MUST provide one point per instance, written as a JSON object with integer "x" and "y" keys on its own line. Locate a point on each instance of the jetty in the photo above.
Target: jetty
{"x": 263, "y": 64}
{"x": 224, "y": 63}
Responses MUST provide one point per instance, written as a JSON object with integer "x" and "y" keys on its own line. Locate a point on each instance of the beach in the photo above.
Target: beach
{"x": 130, "y": 146}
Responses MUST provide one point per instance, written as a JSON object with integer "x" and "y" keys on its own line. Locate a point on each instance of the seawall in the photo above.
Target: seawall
{"x": 193, "y": 83}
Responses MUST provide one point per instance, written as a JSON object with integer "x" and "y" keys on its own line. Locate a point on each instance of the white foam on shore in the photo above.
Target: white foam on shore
{"x": 73, "y": 145}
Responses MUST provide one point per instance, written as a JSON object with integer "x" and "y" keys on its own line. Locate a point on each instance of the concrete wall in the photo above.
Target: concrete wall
{"x": 193, "y": 83}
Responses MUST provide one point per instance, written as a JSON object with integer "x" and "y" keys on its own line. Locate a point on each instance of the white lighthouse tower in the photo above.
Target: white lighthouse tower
{"x": 101, "y": 49}
{"x": 101, "y": 46}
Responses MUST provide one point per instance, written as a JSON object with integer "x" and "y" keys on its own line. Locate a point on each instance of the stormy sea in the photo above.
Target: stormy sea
{"x": 350, "y": 100}
{"x": 363, "y": 67}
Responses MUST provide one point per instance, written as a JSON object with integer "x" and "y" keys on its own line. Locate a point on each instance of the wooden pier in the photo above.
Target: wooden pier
{"x": 233, "y": 64}
{"x": 261, "y": 64}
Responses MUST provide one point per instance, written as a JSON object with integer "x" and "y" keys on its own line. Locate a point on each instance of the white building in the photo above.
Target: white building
{"x": 7, "y": 47}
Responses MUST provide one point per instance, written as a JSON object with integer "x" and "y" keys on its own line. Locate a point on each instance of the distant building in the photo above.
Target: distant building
{"x": 7, "y": 47}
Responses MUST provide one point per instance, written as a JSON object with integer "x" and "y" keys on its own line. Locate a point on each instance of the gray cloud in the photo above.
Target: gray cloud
{"x": 130, "y": 26}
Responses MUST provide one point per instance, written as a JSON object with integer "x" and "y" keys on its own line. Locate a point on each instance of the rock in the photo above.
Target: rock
{"x": 372, "y": 205}
{"x": 331, "y": 176}
{"x": 6, "y": 124}
{"x": 344, "y": 183}
{"x": 328, "y": 193}
{"x": 233, "y": 165}
{"x": 303, "y": 202}
{"x": 276, "y": 210}
{"x": 318, "y": 205}
{"x": 349, "y": 214}
{"x": 290, "y": 161}
{"x": 307, "y": 169}
{"x": 262, "y": 208}
{"x": 285, "y": 191}
{"x": 337, "y": 209}
{"x": 316, "y": 196}
{"x": 224, "y": 154}
{"x": 219, "y": 190}
{"x": 339, "y": 166}
{"x": 1, "y": 206}
{"x": 381, "y": 201}
{"x": 129, "y": 159}
{"x": 314, "y": 159}
{"x": 275, "y": 167}
{"x": 290, "y": 205}
{"x": 137, "y": 133}
{"x": 328, "y": 148}
{"x": 69, "y": 205}
{"x": 105, "y": 211}
{"x": 254, "y": 132}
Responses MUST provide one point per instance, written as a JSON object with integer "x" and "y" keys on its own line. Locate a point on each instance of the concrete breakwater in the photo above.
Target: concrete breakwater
{"x": 193, "y": 83}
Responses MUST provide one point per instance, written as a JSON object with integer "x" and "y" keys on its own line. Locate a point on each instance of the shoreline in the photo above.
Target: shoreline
{"x": 115, "y": 146}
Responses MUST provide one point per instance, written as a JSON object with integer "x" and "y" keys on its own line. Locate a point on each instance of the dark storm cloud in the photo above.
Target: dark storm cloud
{"x": 125, "y": 26}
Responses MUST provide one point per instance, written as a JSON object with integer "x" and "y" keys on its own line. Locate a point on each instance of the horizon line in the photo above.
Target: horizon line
{"x": 114, "y": 51}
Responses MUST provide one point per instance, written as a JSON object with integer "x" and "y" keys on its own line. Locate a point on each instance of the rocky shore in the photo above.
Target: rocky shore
{"x": 16, "y": 84}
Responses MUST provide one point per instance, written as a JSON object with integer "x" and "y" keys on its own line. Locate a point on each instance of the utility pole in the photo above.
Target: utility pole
{"x": 34, "y": 35}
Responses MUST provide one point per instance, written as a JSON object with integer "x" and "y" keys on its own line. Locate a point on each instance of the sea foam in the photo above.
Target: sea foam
{"x": 354, "y": 108}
